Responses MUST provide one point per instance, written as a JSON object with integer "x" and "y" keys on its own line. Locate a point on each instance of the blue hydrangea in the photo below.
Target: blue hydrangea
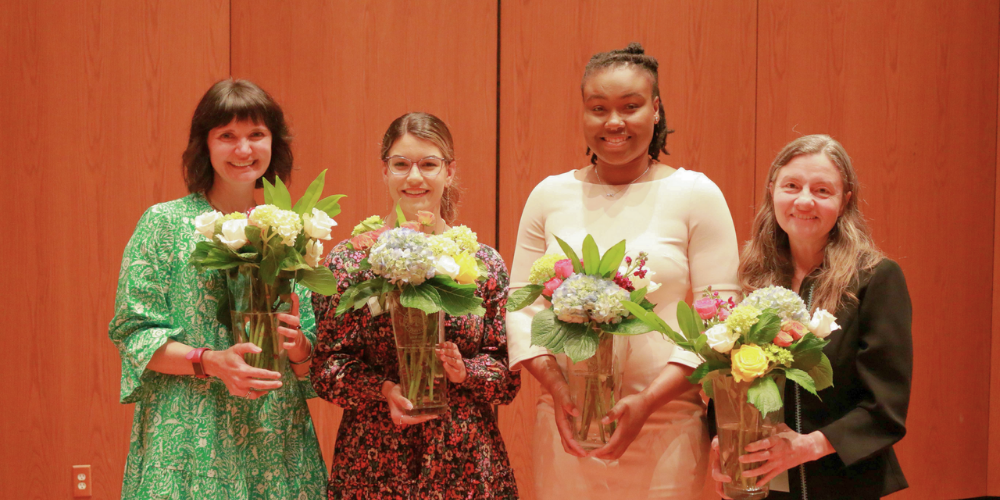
{"x": 785, "y": 303}
{"x": 583, "y": 297}
{"x": 402, "y": 256}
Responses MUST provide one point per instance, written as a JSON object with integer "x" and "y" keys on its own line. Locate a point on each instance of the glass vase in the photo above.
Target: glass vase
{"x": 253, "y": 306}
{"x": 739, "y": 423}
{"x": 595, "y": 387}
{"x": 421, "y": 374}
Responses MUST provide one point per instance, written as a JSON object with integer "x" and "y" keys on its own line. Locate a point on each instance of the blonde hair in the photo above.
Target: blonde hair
{"x": 766, "y": 258}
{"x": 431, "y": 129}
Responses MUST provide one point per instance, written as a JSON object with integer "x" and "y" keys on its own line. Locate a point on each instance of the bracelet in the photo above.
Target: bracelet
{"x": 305, "y": 360}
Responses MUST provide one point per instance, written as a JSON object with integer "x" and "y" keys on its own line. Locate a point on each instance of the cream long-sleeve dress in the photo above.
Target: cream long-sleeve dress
{"x": 684, "y": 224}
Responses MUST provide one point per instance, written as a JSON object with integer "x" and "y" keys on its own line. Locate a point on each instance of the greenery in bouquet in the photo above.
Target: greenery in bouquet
{"x": 769, "y": 334}
{"x": 586, "y": 296}
{"x": 432, "y": 272}
{"x": 276, "y": 238}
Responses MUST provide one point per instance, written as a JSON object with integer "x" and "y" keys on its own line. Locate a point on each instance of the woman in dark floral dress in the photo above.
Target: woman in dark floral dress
{"x": 382, "y": 454}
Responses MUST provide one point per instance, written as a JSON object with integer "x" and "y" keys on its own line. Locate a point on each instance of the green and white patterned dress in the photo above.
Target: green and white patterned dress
{"x": 190, "y": 438}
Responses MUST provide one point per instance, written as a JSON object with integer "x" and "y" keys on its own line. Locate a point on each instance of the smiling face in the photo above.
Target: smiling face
{"x": 618, "y": 114}
{"x": 413, "y": 191}
{"x": 240, "y": 152}
{"x": 808, "y": 195}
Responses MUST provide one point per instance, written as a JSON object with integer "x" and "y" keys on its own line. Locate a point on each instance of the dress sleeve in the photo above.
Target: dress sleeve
{"x": 338, "y": 371}
{"x": 489, "y": 379}
{"x": 142, "y": 321}
{"x": 713, "y": 253}
{"x": 884, "y": 364}
{"x": 529, "y": 247}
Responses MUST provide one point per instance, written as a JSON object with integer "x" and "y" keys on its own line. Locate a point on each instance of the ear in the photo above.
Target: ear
{"x": 450, "y": 170}
{"x": 656, "y": 105}
{"x": 847, "y": 198}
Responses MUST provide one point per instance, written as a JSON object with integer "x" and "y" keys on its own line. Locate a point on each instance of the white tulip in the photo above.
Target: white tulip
{"x": 823, "y": 323}
{"x": 646, "y": 281}
{"x": 205, "y": 223}
{"x": 234, "y": 233}
{"x": 721, "y": 338}
{"x": 318, "y": 225}
{"x": 314, "y": 251}
{"x": 446, "y": 265}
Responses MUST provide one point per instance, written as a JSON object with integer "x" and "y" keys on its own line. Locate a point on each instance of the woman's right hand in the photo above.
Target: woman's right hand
{"x": 564, "y": 408}
{"x": 399, "y": 404}
{"x": 242, "y": 380}
{"x": 715, "y": 468}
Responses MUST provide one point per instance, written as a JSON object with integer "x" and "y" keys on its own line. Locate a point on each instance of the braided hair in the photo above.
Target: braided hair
{"x": 633, "y": 56}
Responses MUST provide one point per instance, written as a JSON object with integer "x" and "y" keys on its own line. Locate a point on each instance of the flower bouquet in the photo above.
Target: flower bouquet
{"x": 749, "y": 351}
{"x": 586, "y": 311}
{"x": 418, "y": 278}
{"x": 262, "y": 254}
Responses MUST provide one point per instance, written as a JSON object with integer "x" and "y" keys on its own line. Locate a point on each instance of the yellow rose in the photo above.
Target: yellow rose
{"x": 749, "y": 362}
{"x": 468, "y": 269}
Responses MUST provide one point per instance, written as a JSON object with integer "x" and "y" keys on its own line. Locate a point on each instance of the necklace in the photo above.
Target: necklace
{"x": 611, "y": 194}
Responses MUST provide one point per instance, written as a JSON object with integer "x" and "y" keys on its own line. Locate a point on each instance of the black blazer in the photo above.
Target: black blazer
{"x": 864, "y": 413}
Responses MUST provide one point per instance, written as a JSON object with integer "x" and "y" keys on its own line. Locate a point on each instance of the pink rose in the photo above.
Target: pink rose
{"x": 783, "y": 339}
{"x": 564, "y": 269}
{"x": 550, "y": 287}
{"x": 363, "y": 241}
{"x": 425, "y": 218}
{"x": 706, "y": 308}
{"x": 412, "y": 224}
{"x": 794, "y": 329}
{"x": 723, "y": 314}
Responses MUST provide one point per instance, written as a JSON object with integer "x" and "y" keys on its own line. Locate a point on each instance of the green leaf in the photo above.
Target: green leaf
{"x": 548, "y": 332}
{"x": 293, "y": 261}
{"x": 628, "y": 326}
{"x": 330, "y": 205}
{"x": 581, "y": 347}
{"x": 807, "y": 352}
{"x": 319, "y": 280}
{"x": 571, "y": 255}
{"x": 705, "y": 368}
{"x": 822, "y": 374}
{"x": 767, "y": 327}
{"x": 484, "y": 272}
{"x": 803, "y": 379}
{"x": 706, "y": 385}
{"x": 268, "y": 191}
{"x": 611, "y": 260}
{"x": 456, "y": 299}
{"x": 213, "y": 255}
{"x": 400, "y": 218}
{"x": 687, "y": 319}
{"x": 764, "y": 395}
{"x": 282, "y": 198}
{"x": 638, "y": 296}
{"x": 346, "y": 299}
{"x": 308, "y": 200}
{"x": 524, "y": 297}
{"x": 591, "y": 256}
{"x": 270, "y": 265}
{"x": 253, "y": 236}
{"x": 422, "y": 296}
{"x": 657, "y": 324}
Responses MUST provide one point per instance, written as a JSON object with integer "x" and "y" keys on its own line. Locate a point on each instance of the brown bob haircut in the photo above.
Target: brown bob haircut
{"x": 244, "y": 101}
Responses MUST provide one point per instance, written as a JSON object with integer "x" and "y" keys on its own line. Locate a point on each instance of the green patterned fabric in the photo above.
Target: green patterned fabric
{"x": 190, "y": 438}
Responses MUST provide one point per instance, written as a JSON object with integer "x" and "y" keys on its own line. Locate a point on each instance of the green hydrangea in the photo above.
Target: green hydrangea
{"x": 370, "y": 224}
{"x": 778, "y": 355}
{"x": 742, "y": 319}
{"x": 544, "y": 268}
{"x": 464, "y": 237}
{"x": 441, "y": 245}
{"x": 232, "y": 216}
{"x": 285, "y": 223}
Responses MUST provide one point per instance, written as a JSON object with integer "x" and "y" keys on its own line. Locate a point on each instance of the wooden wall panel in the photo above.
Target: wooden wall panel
{"x": 910, "y": 89}
{"x": 993, "y": 461}
{"x": 344, "y": 70}
{"x": 706, "y": 56}
{"x": 97, "y": 101}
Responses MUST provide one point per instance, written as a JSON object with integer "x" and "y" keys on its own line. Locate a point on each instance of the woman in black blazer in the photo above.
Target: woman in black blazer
{"x": 810, "y": 236}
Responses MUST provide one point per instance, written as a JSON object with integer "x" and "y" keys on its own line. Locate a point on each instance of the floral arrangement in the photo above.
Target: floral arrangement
{"x": 276, "y": 237}
{"x": 770, "y": 333}
{"x": 431, "y": 272}
{"x": 587, "y": 297}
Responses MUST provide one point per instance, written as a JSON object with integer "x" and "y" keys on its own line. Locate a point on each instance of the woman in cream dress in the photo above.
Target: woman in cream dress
{"x": 681, "y": 219}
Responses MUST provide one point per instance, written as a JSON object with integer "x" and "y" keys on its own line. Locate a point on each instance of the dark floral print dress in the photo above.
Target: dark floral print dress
{"x": 459, "y": 455}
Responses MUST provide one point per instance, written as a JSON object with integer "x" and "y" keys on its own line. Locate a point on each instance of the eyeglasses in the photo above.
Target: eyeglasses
{"x": 401, "y": 165}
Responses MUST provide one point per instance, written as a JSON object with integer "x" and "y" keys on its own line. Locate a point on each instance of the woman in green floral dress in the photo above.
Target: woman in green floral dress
{"x": 207, "y": 425}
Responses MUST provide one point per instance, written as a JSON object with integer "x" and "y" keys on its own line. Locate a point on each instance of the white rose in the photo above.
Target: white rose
{"x": 205, "y": 223}
{"x": 314, "y": 250}
{"x": 447, "y": 265}
{"x": 645, "y": 281}
{"x": 234, "y": 233}
{"x": 318, "y": 225}
{"x": 720, "y": 338}
{"x": 823, "y": 323}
